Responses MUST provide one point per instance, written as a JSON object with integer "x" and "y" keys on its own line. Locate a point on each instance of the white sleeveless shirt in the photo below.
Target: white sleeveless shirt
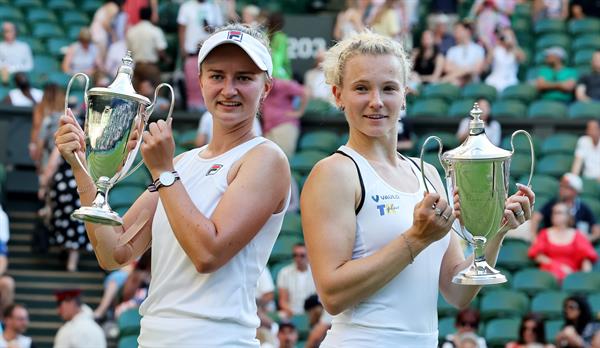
{"x": 404, "y": 312}
{"x": 185, "y": 308}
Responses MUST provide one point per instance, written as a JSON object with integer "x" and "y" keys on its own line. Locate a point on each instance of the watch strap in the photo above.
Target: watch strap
{"x": 153, "y": 187}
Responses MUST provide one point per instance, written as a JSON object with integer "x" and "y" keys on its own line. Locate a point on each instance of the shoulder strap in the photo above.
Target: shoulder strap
{"x": 362, "y": 184}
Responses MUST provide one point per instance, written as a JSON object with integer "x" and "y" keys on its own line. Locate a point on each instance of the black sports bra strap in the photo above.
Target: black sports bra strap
{"x": 362, "y": 184}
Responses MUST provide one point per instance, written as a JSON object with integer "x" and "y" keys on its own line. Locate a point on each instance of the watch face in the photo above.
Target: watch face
{"x": 167, "y": 178}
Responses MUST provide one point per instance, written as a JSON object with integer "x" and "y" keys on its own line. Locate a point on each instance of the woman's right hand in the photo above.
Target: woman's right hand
{"x": 70, "y": 139}
{"x": 432, "y": 218}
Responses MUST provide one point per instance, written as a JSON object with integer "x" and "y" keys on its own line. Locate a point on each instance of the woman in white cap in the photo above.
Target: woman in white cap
{"x": 379, "y": 246}
{"x": 214, "y": 212}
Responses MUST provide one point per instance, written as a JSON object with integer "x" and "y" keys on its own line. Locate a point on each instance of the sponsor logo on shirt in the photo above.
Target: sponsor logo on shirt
{"x": 388, "y": 209}
{"x": 214, "y": 169}
{"x": 377, "y": 198}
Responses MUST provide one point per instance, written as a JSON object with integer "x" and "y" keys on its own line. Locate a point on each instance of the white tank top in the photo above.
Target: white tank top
{"x": 404, "y": 312}
{"x": 185, "y": 308}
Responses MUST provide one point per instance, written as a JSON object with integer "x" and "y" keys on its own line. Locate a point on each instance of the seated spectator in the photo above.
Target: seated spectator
{"x": 350, "y": 20}
{"x": 135, "y": 289}
{"x": 295, "y": 284}
{"x": 287, "y": 335}
{"x": 550, "y": 9}
{"x": 406, "y": 135}
{"x": 531, "y": 333}
{"x": 319, "y": 321}
{"x": 265, "y": 293}
{"x": 146, "y": 87}
{"x": 314, "y": 80}
{"x": 582, "y": 217}
{"x": 504, "y": 60}
{"x": 560, "y": 249}
{"x": 579, "y": 324}
{"x": 82, "y": 56}
{"x": 205, "y": 129}
{"x": 7, "y": 283}
{"x": 79, "y": 328}
{"x": 45, "y": 122}
{"x": 493, "y": 130}
{"x": 443, "y": 40}
{"x": 386, "y": 21}
{"x": 23, "y": 95}
{"x": 490, "y": 15}
{"x": 587, "y": 152}
{"x": 588, "y": 86}
{"x": 464, "y": 61}
{"x": 16, "y": 321}
{"x": 15, "y": 56}
{"x": 554, "y": 80}
{"x": 113, "y": 283}
{"x": 250, "y": 14}
{"x": 466, "y": 324}
{"x": 584, "y": 8}
{"x": 428, "y": 61}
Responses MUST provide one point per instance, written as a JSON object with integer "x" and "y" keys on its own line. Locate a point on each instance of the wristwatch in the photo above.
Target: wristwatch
{"x": 165, "y": 179}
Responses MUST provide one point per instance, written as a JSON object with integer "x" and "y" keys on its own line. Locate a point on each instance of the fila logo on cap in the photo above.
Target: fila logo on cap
{"x": 235, "y": 35}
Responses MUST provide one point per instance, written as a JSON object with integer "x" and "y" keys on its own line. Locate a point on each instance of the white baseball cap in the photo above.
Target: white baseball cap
{"x": 254, "y": 48}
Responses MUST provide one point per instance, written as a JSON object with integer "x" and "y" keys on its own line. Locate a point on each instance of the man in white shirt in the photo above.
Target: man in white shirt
{"x": 16, "y": 321}
{"x": 464, "y": 61}
{"x": 80, "y": 330}
{"x": 295, "y": 283}
{"x": 587, "y": 153}
{"x": 15, "y": 55}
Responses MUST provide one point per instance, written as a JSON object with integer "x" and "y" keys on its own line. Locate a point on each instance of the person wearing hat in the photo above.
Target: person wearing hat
{"x": 79, "y": 330}
{"x": 212, "y": 214}
{"x": 582, "y": 216}
{"x": 554, "y": 80}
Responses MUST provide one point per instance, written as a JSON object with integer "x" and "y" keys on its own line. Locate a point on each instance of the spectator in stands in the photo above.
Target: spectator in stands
{"x": 319, "y": 321}
{"x": 584, "y": 8}
{"x": 133, "y": 7}
{"x": 114, "y": 58}
{"x": 588, "y": 86}
{"x": 443, "y": 40}
{"x": 16, "y": 321}
{"x": 406, "y": 135}
{"x": 428, "y": 61}
{"x": 135, "y": 288}
{"x": 7, "y": 283}
{"x": 82, "y": 56}
{"x": 250, "y": 14}
{"x": 386, "y": 20}
{"x": 579, "y": 324}
{"x": 147, "y": 44}
{"x": 493, "y": 130}
{"x": 466, "y": 324}
{"x": 550, "y": 9}
{"x": 101, "y": 28}
{"x": 490, "y": 16}
{"x": 113, "y": 283}
{"x": 554, "y": 80}
{"x": 443, "y": 8}
{"x": 147, "y": 88}
{"x": 287, "y": 335}
{"x": 581, "y": 217}
{"x": 295, "y": 283}
{"x": 45, "y": 122}
{"x": 464, "y": 61}
{"x": 531, "y": 333}
{"x": 350, "y": 20}
{"x": 15, "y": 55}
{"x": 587, "y": 152}
{"x": 281, "y": 120}
{"x": 282, "y": 66}
{"x": 561, "y": 249}
{"x": 205, "y": 129}
{"x": 79, "y": 330}
{"x": 23, "y": 95}
{"x": 265, "y": 304}
{"x": 504, "y": 59}
{"x": 314, "y": 81}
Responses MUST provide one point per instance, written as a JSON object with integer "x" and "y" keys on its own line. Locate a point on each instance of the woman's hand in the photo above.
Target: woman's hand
{"x": 518, "y": 208}
{"x": 432, "y": 218}
{"x": 70, "y": 139}
{"x": 158, "y": 147}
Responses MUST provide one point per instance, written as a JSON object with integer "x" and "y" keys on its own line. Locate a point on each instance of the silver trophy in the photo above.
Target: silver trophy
{"x": 480, "y": 172}
{"x": 113, "y": 114}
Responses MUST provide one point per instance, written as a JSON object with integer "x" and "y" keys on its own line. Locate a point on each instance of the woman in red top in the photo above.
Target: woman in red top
{"x": 561, "y": 249}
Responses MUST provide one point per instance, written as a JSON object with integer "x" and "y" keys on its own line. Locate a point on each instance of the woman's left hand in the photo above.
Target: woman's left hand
{"x": 158, "y": 147}
{"x": 518, "y": 207}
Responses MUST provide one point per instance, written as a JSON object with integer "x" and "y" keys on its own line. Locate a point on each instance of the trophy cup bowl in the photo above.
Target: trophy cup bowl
{"x": 115, "y": 116}
{"x": 479, "y": 171}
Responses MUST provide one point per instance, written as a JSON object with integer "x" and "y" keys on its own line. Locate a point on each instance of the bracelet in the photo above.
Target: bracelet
{"x": 410, "y": 251}
{"x": 86, "y": 188}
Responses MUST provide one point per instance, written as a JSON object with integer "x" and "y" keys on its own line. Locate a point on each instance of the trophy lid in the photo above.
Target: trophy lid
{"x": 477, "y": 146}
{"x": 121, "y": 87}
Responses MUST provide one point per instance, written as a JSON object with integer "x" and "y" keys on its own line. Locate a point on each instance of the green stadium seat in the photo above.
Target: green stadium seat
{"x": 446, "y": 327}
{"x": 521, "y": 26}
{"x": 520, "y": 164}
{"x": 554, "y": 165}
{"x": 449, "y": 141}
{"x": 586, "y": 42}
{"x": 509, "y": 109}
{"x": 168, "y": 16}
{"x": 445, "y": 91}
{"x": 591, "y": 188}
{"x": 552, "y": 327}
{"x": 60, "y": 5}
{"x": 583, "y": 57}
{"x": 461, "y": 108}
{"x": 129, "y": 323}
{"x": 521, "y": 144}
{"x": 58, "y": 46}
{"x": 41, "y": 15}
{"x": 325, "y": 141}
{"x": 548, "y": 304}
{"x": 543, "y": 184}
{"x": 124, "y": 196}
{"x": 479, "y": 90}
{"x": 9, "y": 13}
{"x": 581, "y": 283}
{"x": 596, "y": 266}
{"x": 503, "y": 304}
{"x": 45, "y": 63}
{"x": 513, "y": 256}
{"x": 432, "y": 158}
{"x": 140, "y": 178}
{"x": 36, "y": 45}
{"x": 302, "y": 325}
{"x": 499, "y": 332}
{"x": 533, "y": 281}
{"x": 90, "y": 6}
{"x": 292, "y": 224}
{"x": 128, "y": 342}
{"x": 549, "y": 26}
{"x": 584, "y": 26}
{"x": 593, "y": 203}
{"x": 26, "y": 4}
{"x": 282, "y": 250}
{"x": 275, "y": 267}
{"x": 73, "y": 31}
{"x": 594, "y": 301}
{"x": 303, "y": 161}
{"x": 4, "y": 92}
{"x": 22, "y": 28}
{"x": 74, "y": 17}
{"x": 584, "y": 110}
{"x": 187, "y": 139}
{"x": 523, "y": 92}
{"x": 559, "y": 143}
{"x": 547, "y": 109}
{"x": 444, "y": 308}
{"x": 428, "y": 108}
{"x": 551, "y": 40}
{"x": 45, "y": 31}
{"x": 523, "y": 9}
{"x": 532, "y": 73}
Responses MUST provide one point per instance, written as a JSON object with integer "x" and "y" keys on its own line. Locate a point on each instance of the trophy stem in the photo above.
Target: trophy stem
{"x": 479, "y": 272}
{"x": 99, "y": 212}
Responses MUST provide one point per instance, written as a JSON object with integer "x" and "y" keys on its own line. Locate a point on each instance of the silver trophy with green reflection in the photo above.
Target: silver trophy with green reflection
{"x": 480, "y": 172}
{"x": 114, "y": 114}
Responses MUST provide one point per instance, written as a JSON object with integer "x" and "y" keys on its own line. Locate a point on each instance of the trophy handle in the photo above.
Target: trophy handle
{"x": 532, "y": 151}
{"x": 440, "y": 147}
{"x": 149, "y": 111}
{"x": 85, "y": 100}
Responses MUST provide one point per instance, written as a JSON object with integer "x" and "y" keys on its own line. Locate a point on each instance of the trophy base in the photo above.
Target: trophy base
{"x": 479, "y": 273}
{"x": 97, "y": 216}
